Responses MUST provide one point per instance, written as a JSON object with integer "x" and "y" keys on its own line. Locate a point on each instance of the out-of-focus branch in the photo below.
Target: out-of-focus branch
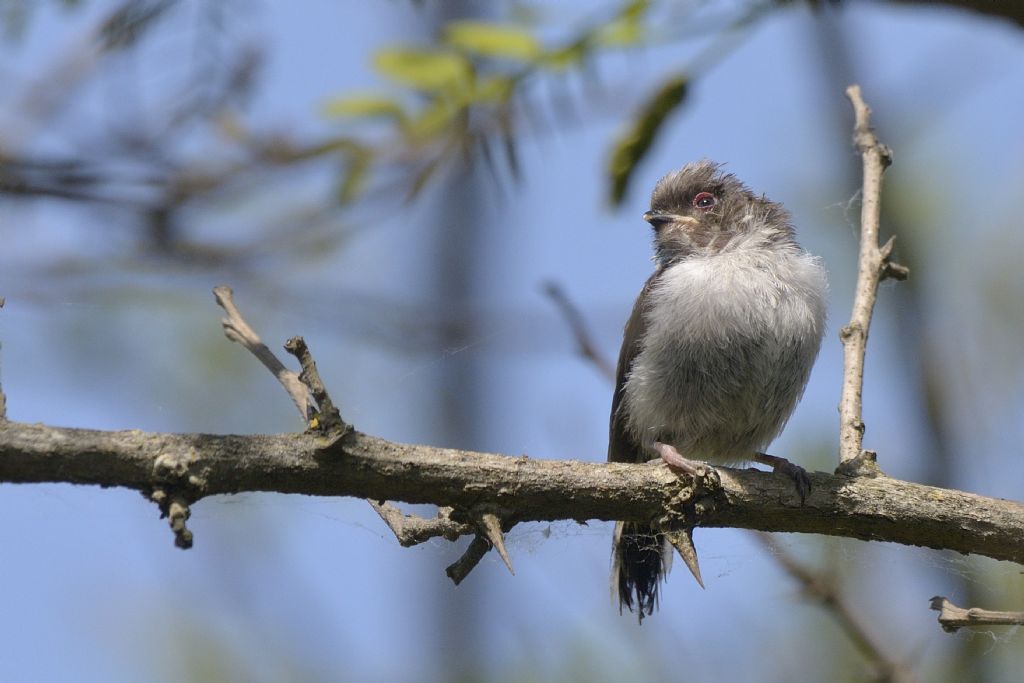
{"x": 818, "y": 587}
{"x": 873, "y": 267}
{"x": 584, "y": 340}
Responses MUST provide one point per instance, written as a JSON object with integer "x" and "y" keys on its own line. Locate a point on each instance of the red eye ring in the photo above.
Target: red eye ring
{"x": 704, "y": 200}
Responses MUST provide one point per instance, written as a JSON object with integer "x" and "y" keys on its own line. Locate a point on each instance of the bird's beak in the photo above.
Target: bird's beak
{"x": 657, "y": 219}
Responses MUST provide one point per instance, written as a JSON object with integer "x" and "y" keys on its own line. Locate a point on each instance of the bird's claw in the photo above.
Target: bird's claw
{"x": 671, "y": 457}
{"x": 801, "y": 480}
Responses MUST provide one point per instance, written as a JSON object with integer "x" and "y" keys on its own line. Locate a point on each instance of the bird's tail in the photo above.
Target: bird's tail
{"x": 641, "y": 557}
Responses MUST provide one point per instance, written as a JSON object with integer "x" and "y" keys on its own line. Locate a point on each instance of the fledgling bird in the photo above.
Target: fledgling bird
{"x": 717, "y": 351}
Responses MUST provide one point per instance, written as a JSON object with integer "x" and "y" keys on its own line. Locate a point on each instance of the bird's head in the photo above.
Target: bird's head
{"x": 701, "y": 210}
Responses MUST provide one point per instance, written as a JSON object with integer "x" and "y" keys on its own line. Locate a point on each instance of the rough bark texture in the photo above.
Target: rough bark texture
{"x": 520, "y": 488}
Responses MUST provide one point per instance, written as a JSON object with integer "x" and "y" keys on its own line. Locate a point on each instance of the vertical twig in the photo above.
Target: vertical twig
{"x": 873, "y": 267}
{"x": 238, "y": 330}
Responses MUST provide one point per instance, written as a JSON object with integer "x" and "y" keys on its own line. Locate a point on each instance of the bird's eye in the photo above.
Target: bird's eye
{"x": 704, "y": 200}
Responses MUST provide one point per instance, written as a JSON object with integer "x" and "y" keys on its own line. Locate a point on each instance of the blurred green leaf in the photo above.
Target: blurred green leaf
{"x": 425, "y": 70}
{"x": 364, "y": 106}
{"x": 493, "y": 40}
{"x": 566, "y": 57}
{"x": 627, "y": 28}
{"x": 634, "y": 10}
{"x": 621, "y": 33}
{"x": 631, "y": 148}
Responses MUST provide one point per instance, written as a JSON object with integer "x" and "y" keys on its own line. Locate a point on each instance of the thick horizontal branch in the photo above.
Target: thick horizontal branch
{"x": 526, "y": 489}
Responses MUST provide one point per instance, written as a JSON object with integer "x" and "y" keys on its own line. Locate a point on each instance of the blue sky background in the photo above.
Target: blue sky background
{"x": 295, "y": 588}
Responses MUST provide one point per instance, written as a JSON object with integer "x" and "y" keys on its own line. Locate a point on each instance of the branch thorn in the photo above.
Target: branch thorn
{"x": 490, "y": 526}
{"x": 682, "y": 541}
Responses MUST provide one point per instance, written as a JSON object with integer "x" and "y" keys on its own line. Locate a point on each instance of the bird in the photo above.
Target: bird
{"x": 716, "y": 352}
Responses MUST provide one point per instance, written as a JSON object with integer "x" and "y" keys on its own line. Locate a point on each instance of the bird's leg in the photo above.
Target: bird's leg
{"x": 673, "y": 459}
{"x": 682, "y": 539}
{"x": 795, "y": 472}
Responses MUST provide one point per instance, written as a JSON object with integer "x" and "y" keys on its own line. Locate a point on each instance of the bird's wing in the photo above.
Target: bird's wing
{"x": 622, "y": 444}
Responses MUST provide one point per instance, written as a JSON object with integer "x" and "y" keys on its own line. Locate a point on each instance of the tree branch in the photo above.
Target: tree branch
{"x": 873, "y": 267}
{"x": 411, "y": 530}
{"x": 954, "y": 618}
{"x": 238, "y": 330}
{"x": 356, "y": 464}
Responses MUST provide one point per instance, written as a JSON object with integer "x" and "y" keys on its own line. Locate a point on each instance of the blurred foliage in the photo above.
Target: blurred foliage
{"x": 493, "y": 40}
{"x": 631, "y": 148}
{"x": 471, "y": 89}
{"x": 474, "y": 93}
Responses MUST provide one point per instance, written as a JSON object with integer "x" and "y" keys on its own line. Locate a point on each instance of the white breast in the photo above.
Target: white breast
{"x": 730, "y": 341}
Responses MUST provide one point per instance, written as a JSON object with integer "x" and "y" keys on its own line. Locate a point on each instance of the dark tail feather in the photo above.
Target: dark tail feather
{"x": 639, "y": 566}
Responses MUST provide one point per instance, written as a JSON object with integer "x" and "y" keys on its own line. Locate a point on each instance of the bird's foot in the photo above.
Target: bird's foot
{"x": 782, "y": 466}
{"x": 673, "y": 459}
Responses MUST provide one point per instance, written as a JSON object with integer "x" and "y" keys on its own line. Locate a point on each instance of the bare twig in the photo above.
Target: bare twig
{"x": 176, "y": 509}
{"x": 175, "y": 486}
{"x": 820, "y": 588}
{"x": 460, "y": 569}
{"x": 873, "y": 266}
{"x": 954, "y": 618}
{"x": 411, "y": 530}
{"x": 408, "y": 529}
{"x": 329, "y": 416}
{"x": 584, "y": 341}
{"x": 237, "y": 330}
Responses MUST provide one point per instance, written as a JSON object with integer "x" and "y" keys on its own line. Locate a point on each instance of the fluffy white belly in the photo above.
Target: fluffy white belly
{"x": 730, "y": 340}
